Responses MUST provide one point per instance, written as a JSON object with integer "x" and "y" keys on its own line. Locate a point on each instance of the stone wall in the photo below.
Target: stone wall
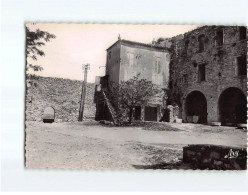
{"x": 61, "y": 94}
{"x": 215, "y": 157}
{"x": 152, "y": 64}
{"x": 220, "y": 66}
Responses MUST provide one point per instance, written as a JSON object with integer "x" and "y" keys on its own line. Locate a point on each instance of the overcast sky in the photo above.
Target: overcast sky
{"x": 77, "y": 44}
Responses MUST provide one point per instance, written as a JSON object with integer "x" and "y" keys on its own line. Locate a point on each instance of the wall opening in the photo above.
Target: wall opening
{"x": 150, "y": 113}
{"x": 102, "y": 111}
{"x": 137, "y": 113}
{"x": 201, "y": 40}
{"x": 242, "y": 33}
{"x": 48, "y": 115}
{"x": 201, "y": 72}
{"x": 219, "y": 38}
{"x": 196, "y": 107}
{"x": 241, "y": 65}
{"x": 232, "y": 107}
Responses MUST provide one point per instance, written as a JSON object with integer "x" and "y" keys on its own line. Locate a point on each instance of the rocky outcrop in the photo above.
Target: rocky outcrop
{"x": 61, "y": 94}
{"x": 201, "y": 156}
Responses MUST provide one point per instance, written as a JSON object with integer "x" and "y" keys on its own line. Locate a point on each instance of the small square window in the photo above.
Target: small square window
{"x": 242, "y": 33}
{"x": 241, "y": 65}
{"x": 201, "y": 72}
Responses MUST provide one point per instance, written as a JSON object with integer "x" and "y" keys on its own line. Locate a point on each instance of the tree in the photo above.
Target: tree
{"x": 35, "y": 40}
{"x": 159, "y": 40}
{"x": 128, "y": 94}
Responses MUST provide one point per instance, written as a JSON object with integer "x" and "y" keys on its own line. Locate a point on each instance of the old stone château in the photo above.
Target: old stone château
{"x": 208, "y": 74}
{"x": 206, "y": 69}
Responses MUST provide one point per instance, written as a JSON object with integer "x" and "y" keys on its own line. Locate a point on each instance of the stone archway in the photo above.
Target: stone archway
{"x": 49, "y": 115}
{"x": 196, "y": 107}
{"x": 232, "y": 106}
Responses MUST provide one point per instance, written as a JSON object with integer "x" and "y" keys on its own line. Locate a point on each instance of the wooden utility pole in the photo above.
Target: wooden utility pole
{"x": 86, "y": 67}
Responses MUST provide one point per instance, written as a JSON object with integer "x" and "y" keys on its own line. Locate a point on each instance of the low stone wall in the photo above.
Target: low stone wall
{"x": 215, "y": 157}
{"x": 61, "y": 94}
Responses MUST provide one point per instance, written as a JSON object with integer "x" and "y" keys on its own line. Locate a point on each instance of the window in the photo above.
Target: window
{"x": 242, "y": 33}
{"x": 186, "y": 46}
{"x": 130, "y": 59}
{"x": 219, "y": 38}
{"x": 241, "y": 65}
{"x": 201, "y": 40}
{"x": 201, "y": 72}
{"x": 137, "y": 113}
{"x": 158, "y": 65}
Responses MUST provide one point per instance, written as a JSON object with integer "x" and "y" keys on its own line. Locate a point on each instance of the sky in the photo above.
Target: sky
{"x": 77, "y": 44}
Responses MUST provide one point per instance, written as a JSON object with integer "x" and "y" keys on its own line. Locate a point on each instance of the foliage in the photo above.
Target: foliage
{"x": 159, "y": 40}
{"x": 35, "y": 40}
{"x": 128, "y": 94}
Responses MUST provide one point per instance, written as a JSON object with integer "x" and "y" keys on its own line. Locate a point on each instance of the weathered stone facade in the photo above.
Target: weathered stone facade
{"x": 126, "y": 59}
{"x": 206, "y": 63}
{"x": 206, "y": 69}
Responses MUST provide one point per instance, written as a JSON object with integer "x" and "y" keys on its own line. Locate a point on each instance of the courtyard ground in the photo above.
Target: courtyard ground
{"x": 91, "y": 145}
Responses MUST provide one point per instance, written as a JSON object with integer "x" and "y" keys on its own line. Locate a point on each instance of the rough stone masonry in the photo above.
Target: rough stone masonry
{"x": 61, "y": 94}
{"x": 204, "y": 156}
{"x": 208, "y": 74}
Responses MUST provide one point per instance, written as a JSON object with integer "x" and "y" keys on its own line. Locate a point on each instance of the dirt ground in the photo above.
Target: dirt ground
{"x": 91, "y": 145}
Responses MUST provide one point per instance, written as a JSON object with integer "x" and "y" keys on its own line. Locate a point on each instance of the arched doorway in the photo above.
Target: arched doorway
{"x": 48, "y": 115}
{"x": 232, "y": 106}
{"x": 196, "y": 106}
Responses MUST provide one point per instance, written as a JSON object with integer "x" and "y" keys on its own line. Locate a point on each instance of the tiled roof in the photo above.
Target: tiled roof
{"x": 134, "y": 43}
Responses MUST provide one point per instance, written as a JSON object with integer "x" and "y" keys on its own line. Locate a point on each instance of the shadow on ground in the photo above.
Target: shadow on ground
{"x": 144, "y": 125}
{"x": 155, "y": 126}
{"x": 177, "y": 165}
